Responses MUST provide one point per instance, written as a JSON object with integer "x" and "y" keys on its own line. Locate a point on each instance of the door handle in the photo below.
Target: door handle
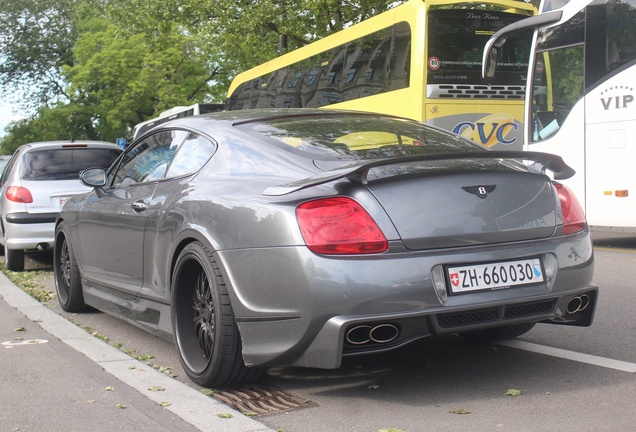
{"x": 139, "y": 206}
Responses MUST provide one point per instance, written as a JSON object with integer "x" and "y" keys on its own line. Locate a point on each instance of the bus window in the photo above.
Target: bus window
{"x": 370, "y": 65}
{"x": 456, "y": 41}
{"x": 558, "y": 79}
{"x": 610, "y": 36}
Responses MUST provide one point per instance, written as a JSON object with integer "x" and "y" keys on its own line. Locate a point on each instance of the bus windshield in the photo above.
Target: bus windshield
{"x": 456, "y": 41}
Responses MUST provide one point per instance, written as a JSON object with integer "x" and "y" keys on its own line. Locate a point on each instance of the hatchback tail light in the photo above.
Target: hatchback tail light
{"x": 573, "y": 214}
{"x": 339, "y": 226}
{"x": 18, "y": 194}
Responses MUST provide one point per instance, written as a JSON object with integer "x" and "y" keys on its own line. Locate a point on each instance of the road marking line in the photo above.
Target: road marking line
{"x": 571, "y": 355}
{"x": 613, "y": 249}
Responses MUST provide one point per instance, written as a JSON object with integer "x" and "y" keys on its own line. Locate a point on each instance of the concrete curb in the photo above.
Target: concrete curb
{"x": 189, "y": 404}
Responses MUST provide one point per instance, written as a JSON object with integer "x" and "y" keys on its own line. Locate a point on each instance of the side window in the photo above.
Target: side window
{"x": 558, "y": 85}
{"x": 149, "y": 159}
{"x": 610, "y": 38}
{"x": 9, "y": 167}
{"x": 191, "y": 156}
{"x": 558, "y": 78}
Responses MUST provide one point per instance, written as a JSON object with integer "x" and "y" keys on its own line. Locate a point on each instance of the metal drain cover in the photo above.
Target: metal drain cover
{"x": 259, "y": 400}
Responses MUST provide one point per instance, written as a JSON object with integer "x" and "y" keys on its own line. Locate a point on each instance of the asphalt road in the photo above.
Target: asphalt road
{"x": 571, "y": 379}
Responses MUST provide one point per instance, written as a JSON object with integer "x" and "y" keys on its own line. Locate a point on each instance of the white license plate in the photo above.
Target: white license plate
{"x": 492, "y": 276}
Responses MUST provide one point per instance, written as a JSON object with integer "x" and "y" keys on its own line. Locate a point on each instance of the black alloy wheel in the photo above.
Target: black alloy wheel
{"x": 206, "y": 334}
{"x": 68, "y": 284}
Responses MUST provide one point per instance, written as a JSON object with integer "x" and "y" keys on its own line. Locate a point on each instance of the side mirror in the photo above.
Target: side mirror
{"x": 93, "y": 177}
{"x": 490, "y": 58}
{"x": 496, "y": 41}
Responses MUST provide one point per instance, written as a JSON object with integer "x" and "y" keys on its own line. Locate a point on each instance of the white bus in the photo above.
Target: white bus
{"x": 173, "y": 113}
{"x": 581, "y": 104}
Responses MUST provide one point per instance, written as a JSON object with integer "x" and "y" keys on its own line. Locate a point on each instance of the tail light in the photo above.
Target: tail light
{"x": 339, "y": 226}
{"x": 18, "y": 194}
{"x": 573, "y": 215}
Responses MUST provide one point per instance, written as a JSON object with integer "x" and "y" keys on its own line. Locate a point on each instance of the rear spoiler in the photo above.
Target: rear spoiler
{"x": 358, "y": 172}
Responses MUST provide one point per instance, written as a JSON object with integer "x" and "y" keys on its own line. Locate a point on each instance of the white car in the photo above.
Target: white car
{"x": 35, "y": 183}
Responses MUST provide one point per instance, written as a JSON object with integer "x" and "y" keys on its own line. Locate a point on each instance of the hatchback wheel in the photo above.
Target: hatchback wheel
{"x": 206, "y": 334}
{"x": 14, "y": 259}
{"x": 498, "y": 333}
{"x": 67, "y": 279}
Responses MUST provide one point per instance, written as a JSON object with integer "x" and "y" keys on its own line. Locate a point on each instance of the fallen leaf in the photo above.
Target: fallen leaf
{"x": 513, "y": 392}
{"x": 156, "y": 389}
{"x": 459, "y": 411}
{"x": 19, "y": 329}
{"x": 164, "y": 404}
{"x": 224, "y": 415}
{"x": 110, "y": 388}
{"x": 207, "y": 392}
{"x": 120, "y": 406}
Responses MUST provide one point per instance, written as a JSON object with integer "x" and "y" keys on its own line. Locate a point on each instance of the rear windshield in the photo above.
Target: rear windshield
{"x": 356, "y": 137}
{"x": 65, "y": 164}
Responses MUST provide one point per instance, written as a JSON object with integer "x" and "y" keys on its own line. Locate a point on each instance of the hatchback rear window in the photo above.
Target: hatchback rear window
{"x": 65, "y": 164}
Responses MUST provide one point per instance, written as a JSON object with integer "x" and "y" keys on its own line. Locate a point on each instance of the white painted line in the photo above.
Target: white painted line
{"x": 571, "y": 355}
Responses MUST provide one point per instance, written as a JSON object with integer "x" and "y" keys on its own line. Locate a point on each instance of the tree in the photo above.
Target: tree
{"x": 63, "y": 121}
{"x": 36, "y": 41}
{"x": 100, "y": 66}
{"x": 126, "y": 79}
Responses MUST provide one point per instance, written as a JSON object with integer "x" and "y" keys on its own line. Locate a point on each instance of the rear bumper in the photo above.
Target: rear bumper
{"x": 28, "y": 231}
{"x": 333, "y": 341}
{"x": 27, "y": 218}
{"x": 293, "y": 307}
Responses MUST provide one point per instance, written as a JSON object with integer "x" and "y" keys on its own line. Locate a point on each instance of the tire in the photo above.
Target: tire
{"x": 206, "y": 334}
{"x": 14, "y": 259}
{"x": 498, "y": 333}
{"x": 67, "y": 277}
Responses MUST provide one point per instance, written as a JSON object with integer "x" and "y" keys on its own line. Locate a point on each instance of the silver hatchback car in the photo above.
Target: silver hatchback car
{"x": 35, "y": 183}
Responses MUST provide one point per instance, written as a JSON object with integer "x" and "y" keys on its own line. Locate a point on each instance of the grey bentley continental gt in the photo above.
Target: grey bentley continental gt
{"x": 265, "y": 238}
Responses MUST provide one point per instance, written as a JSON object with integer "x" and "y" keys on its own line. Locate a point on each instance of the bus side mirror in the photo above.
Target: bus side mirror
{"x": 490, "y": 58}
{"x": 496, "y": 41}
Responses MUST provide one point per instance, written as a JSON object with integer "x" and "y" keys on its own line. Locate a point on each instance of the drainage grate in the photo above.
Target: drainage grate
{"x": 259, "y": 400}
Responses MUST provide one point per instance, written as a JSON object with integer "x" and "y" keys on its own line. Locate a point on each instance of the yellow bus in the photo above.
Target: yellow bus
{"x": 420, "y": 60}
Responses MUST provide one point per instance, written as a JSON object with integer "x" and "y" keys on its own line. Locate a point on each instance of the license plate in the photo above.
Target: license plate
{"x": 493, "y": 276}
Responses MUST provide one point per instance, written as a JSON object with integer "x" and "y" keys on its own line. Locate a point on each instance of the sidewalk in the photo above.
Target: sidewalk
{"x": 54, "y": 376}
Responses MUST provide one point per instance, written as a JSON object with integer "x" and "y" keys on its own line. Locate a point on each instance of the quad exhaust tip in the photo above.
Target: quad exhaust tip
{"x": 375, "y": 333}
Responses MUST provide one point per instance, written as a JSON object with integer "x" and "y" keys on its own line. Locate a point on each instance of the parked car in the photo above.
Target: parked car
{"x": 38, "y": 179}
{"x": 291, "y": 237}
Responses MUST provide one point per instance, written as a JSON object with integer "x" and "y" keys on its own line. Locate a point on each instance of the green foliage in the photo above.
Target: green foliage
{"x": 31, "y": 283}
{"x": 61, "y": 122}
{"x": 94, "y": 68}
